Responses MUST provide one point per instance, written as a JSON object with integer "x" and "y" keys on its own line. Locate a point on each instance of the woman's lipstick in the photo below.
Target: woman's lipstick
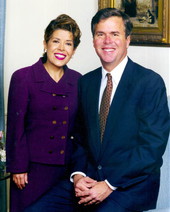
{"x": 60, "y": 56}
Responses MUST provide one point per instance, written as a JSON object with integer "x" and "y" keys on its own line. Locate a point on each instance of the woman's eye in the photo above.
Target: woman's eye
{"x": 55, "y": 41}
{"x": 69, "y": 44}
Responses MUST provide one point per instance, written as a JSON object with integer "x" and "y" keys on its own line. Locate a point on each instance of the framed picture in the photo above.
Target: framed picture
{"x": 150, "y": 18}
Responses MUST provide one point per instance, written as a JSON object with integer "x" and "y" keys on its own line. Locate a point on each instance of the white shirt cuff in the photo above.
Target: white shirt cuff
{"x": 110, "y": 186}
{"x": 74, "y": 173}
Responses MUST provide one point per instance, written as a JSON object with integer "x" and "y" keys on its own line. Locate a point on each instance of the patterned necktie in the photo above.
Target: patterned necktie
{"x": 105, "y": 104}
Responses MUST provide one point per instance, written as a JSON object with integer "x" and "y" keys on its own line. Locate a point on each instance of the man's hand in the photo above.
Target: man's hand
{"x": 95, "y": 195}
{"x": 82, "y": 183}
{"x": 20, "y": 180}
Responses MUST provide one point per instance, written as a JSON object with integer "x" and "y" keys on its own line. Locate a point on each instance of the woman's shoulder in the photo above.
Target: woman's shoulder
{"x": 24, "y": 72}
{"x": 73, "y": 73}
{"x": 21, "y": 74}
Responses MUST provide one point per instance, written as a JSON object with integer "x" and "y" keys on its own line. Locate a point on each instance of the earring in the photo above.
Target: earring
{"x": 44, "y": 53}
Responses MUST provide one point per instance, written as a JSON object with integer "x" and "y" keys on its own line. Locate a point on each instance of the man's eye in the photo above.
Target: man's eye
{"x": 115, "y": 34}
{"x": 100, "y": 34}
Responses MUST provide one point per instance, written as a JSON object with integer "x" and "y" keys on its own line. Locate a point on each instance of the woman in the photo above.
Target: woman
{"x": 42, "y": 106}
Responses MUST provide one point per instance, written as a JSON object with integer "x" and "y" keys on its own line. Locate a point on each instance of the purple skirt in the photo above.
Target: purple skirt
{"x": 41, "y": 178}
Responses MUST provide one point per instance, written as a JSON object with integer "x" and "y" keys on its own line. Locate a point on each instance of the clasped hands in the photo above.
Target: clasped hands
{"x": 90, "y": 191}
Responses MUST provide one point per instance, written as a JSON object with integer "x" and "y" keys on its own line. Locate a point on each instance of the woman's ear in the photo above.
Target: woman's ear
{"x": 45, "y": 46}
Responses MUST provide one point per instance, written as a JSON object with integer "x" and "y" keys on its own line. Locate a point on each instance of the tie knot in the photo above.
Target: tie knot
{"x": 109, "y": 76}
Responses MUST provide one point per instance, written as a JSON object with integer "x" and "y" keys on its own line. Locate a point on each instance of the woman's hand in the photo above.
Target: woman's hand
{"x": 20, "y": 180}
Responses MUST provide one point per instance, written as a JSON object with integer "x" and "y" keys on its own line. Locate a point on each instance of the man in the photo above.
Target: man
{"x": 116, "y": 165}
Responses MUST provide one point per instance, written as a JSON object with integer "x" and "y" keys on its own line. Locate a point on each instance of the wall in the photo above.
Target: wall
{"x": 156, "y": 58}
{"x": 25, "y": 24}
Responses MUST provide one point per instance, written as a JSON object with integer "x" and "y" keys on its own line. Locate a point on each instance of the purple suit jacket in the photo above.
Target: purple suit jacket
{"x": 41, "y": 116}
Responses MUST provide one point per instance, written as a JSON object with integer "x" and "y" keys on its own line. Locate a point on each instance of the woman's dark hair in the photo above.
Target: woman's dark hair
{"x": 64, "y": 22}
{"x": 109, "y": 12}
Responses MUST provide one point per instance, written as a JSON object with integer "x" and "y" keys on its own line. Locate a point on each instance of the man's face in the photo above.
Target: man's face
{"x": 110, "y": 42}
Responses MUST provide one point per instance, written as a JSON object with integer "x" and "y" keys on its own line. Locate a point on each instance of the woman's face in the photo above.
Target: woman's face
{"x": 60, "y": 48}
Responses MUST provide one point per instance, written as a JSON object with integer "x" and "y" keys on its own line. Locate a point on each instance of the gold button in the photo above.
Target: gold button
{"x": 54, "y": 122}
{"x": 54, "y": 94}
{"x": 63, "y": 137}
{"x": 66, "y": 108}
{"x": 64, "y": 122}
{"x": 62, "y": 152}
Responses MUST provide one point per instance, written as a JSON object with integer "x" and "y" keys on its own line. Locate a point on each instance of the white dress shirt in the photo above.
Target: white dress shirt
{"x": 116, "y": 76}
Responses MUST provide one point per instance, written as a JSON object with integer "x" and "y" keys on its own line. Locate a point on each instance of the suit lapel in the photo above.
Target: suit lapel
{"x": 47, "y": 84}
{"x": 92, "y": 111}
{"x": 119, "y": 100}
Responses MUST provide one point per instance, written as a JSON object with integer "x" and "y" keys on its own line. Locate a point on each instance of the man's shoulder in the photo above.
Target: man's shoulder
{"x": 92, "y": 74}
{"x": 142, "y": 75}
{"x": 140, "y": 70}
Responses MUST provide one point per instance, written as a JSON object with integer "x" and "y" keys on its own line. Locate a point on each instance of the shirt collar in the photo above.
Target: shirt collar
{"x": 116, "y": 72}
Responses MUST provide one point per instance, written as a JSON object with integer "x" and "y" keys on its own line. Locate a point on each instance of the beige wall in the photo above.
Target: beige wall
{"x": 25, "y": 24}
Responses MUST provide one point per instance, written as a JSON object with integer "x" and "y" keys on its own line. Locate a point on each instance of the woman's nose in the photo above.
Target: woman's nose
{"x": 61, "y": 46}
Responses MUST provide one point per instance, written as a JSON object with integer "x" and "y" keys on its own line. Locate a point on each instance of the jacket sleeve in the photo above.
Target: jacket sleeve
{"x": 79, "y": 156}
{"x": 16, "y": 142}
{"x": 154, "y": 125}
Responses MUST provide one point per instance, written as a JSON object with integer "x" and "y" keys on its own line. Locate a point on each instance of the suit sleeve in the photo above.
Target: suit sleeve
{"x": 79, "y": 156}
{"x": 154, "y": 125}
{"x": 16, "y": 142}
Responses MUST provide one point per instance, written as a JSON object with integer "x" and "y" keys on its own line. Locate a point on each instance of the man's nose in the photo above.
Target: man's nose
{"x": 107, "y": 39}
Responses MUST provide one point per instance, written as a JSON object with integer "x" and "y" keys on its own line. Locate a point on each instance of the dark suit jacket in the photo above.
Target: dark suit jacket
{"x": 41, "y": 116}
{"x": 135, "y": 138}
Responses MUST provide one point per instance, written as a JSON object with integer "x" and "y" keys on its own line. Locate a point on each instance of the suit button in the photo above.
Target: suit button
{"x": 54, "y": 94}
{"x": 52, "y": 137}
{"x": 54, "y": 122}
{"x": 62, "y": 152}
{"x": 54, "y": 108}
{"x": 50, "y": 152}
{"x": 71, "y": 137}
{"x": 63, "y": 96}
{"x": 66, "y": 108}
{"x": 64, "y": 122}
{"x": 63, "y": 137}
{"x": 99, "y": 167}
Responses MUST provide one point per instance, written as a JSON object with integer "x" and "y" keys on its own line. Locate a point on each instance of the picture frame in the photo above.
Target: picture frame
{"x": 150, "y": 18}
